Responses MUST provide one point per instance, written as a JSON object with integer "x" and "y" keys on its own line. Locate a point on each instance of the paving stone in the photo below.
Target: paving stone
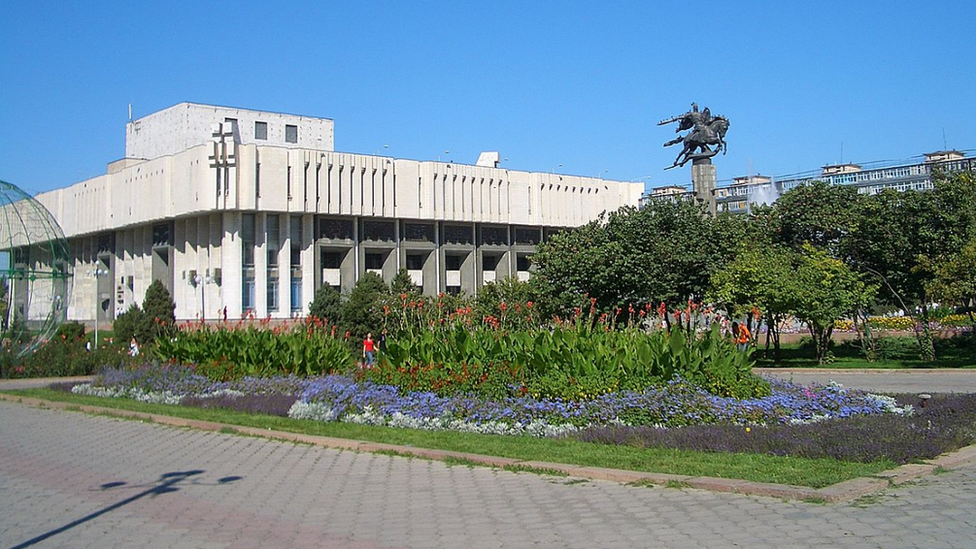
{"x": 54, "y": 463}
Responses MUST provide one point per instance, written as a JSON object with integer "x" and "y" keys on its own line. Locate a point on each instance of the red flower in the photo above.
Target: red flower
{"x": 529, "y": 304}
{"x": 503, "y": 307}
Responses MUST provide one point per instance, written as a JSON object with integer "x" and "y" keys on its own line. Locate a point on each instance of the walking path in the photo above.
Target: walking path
{"x": 72, "y": 480}
{"x": 945, "y": 380}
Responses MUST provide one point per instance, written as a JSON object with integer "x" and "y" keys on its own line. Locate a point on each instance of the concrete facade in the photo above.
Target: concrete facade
{"x": 225, "y": 220}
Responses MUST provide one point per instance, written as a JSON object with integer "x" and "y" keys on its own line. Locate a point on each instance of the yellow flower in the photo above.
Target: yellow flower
{"x": 748, "y": 429}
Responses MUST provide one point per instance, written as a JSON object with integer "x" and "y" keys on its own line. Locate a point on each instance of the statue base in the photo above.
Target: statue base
{"x": 703, "y": 182}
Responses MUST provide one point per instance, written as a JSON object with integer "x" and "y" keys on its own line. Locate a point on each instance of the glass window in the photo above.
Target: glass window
{"x": 415, "y": 262}
{"x": 247, "y": 294}
{"x": 458, "y": 234}
{"x": 378, "y": 230}
{"x": 296, "y": 295}
{"x": 291, "y": 133}
{"x": 335, "y": 229}
{"x": 494, "y": 235}
{"x": 295, "y": 236}
{"x": 272, "y": 294}
{"x": 374, "y": 261}
{"x": 453, "y": 262}
{"x": 526, "y": 236}
{"x": 331, "y": 260}
{"x": 261, "y": 130}
{"x": 417, "y": 232}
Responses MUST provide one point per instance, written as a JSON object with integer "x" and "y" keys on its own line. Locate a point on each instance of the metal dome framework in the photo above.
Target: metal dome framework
{"x": 35, "y": 271}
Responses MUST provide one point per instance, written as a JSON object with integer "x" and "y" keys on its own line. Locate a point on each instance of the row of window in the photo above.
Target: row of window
{"x": 248, "y": 290}
{"x": 261, "y": 132}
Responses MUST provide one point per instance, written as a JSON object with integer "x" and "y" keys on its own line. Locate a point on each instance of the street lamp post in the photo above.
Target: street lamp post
{"x": 94, "y": 274}
{"x": 200, "y": 280}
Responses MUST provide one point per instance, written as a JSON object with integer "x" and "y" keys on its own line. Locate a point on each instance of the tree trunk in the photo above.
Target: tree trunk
{"x": 821, "y": 340}
{"x": 769, "y": 333}
{"x": 926, "y": 345}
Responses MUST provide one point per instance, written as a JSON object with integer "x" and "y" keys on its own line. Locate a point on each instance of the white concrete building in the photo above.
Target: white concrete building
{"x": 252, "y": 211}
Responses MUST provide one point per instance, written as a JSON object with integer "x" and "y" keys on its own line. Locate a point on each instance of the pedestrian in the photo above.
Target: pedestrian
{"x": 382, "y": 341}
{"x": 133, "y": 347}
{"x": 742, "y": 336}
{"x": 368, "y": 350}
{"x": 225, "y": 313}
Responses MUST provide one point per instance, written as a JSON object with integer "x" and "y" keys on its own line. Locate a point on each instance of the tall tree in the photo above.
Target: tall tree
{"x": 326, "y": 305}
{"x": 825, "y": 290}
{"x": 760, "y": 276}
{"x": 820, "y": 214}
{"x": 664, "y": 252}
{"x": 402, "y": 283}
{"x": 362, "y": 312}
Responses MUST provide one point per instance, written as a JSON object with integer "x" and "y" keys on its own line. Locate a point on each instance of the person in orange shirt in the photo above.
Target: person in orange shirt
{"x": 742, "y": 337}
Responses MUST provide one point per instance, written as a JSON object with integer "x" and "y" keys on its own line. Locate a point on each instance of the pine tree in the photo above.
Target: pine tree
{"x": 362, "y": 312}
{"x": 159, "y": 313}
{"x": 402, "y": 283}
{"x": 327, "y": 305}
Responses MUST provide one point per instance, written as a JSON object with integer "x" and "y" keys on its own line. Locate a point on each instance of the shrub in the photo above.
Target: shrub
{"x": 327, "y": 305}
{"x": 129, "y": 324}
{"x": 402, "y": 283}
{"x": 223, "y": 353}
{"x": 362, "y": 312}
{"x": 573, "y": 361}
{"x": 64, "y": 355}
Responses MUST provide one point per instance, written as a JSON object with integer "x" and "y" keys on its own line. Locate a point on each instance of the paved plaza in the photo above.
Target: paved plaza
{"x": 74, "y": 480}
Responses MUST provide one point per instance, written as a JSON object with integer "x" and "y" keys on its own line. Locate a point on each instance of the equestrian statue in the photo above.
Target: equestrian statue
{"x": 706, "y": 130}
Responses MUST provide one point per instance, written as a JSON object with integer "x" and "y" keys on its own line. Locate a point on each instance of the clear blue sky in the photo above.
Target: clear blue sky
{"x": 581, "y": 84}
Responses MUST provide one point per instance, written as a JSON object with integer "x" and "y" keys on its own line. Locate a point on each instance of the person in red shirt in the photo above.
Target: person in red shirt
{"x": 369, "y": 350}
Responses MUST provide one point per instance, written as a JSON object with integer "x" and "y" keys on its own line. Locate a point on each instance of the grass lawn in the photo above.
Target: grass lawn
{"x": 815, "y": 473}
{"x": 794, "y": 355}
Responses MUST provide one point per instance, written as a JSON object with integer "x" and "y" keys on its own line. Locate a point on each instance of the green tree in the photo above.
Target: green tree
{"x": 326, "y": 305}
{"x": 362, "y": 312}
{"x": 159, "y": 313}
{"x": 131, "y": 323}
{"x": 513, "y": 292}
{"x": 901, "y": 236}
{"x": 825, "y": 290}
{"x": 954, "y": 279}
{"x": 762, "y": 277}
{"x": 664, "y": 252}
{"x": 820, "y": 214}
{"x": 402, "y": 283}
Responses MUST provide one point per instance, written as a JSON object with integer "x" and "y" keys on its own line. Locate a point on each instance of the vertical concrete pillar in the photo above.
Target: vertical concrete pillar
{"x": 308, "y": 261}
{"x": 703, "y": 182}
{"x": 231, "y": 263}
{"x": 284, "y": 266}
{"x": 261, "y": 264}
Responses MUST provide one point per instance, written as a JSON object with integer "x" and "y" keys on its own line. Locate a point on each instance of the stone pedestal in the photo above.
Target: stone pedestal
{"x": 703, "y": 182}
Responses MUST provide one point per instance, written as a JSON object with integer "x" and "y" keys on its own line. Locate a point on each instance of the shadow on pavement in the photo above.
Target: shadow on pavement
{"x": 167, "y": 483}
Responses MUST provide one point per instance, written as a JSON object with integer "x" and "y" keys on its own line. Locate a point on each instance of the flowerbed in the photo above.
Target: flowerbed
{"x": 946, "y": 424}
{"x": 341, "y": 398}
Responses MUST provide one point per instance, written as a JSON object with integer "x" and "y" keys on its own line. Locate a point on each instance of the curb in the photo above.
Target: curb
{"x": 837, "y": 493}
{"x": 859, "y": 371}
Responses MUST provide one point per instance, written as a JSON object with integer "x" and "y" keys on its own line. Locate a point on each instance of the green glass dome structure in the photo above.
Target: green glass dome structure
{"x": 35, "y": 271}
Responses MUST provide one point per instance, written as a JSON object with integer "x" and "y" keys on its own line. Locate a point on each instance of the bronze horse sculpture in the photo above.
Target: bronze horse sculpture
{"x": 706, "y": 131}
{"x": 712, "y": 133}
